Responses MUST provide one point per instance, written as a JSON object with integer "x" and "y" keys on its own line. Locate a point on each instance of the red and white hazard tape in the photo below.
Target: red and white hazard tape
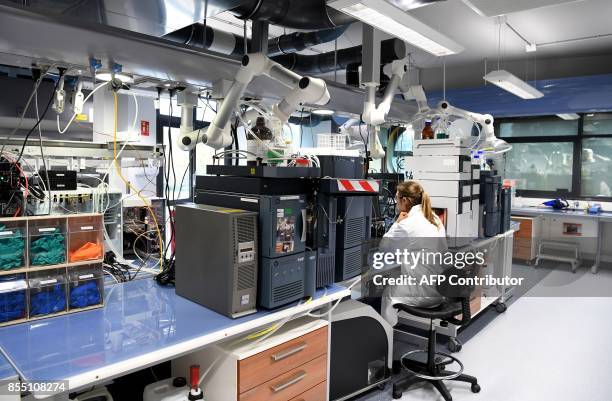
{"x": 358, "y": 185}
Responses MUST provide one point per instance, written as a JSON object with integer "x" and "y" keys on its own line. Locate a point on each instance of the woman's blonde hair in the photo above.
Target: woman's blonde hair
{"x": 414, "y": 192}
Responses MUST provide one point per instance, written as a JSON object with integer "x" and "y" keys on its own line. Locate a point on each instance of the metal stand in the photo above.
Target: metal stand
{"x": 574, "y": 261}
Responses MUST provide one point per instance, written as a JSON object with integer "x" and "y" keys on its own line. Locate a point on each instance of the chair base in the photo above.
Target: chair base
{"x": 432, "y": 371}
{"x": 404, "y": 384}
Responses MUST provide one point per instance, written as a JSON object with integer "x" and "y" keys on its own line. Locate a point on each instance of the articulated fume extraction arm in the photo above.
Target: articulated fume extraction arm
{"x": 217, "y": 135}
{"x": 487, "y": 140}
{"x": 374, "y": 115}
{"x": 485, "y": 120}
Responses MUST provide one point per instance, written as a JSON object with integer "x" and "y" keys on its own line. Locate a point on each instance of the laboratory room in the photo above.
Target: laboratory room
{"x": 326, "y": 200}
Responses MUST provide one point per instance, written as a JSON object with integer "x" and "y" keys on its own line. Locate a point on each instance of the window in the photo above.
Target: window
{"x": 165, "y": 104}
{"x": 206, "y": 110}
{"x": 177, "y": 160}
{"x": 598, "y": 124}
{"x": 538, "y": 128}
{"x": 553, "y": 157}
{"x": 597, "y": 167}
{"x": 179, "y": 179}
{"x": 543, "y": 166}
{"x": 399, "y": 145}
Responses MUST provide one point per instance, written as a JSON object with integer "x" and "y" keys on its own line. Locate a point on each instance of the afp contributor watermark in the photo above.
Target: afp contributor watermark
{"x": 452, "y": 279}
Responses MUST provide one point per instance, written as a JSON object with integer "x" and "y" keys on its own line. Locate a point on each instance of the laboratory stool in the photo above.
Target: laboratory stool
{"x": 434, "y": 369}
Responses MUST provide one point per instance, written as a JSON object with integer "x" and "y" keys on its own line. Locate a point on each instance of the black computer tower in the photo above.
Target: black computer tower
{"x": 490, "y": 199}
{"x": 353, "y": 229}
{"x": 506, "y": 209}
{"x": 325, "y": 238}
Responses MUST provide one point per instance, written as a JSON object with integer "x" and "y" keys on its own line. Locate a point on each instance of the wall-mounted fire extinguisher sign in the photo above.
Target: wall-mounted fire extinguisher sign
{"x": 144, "y": 128}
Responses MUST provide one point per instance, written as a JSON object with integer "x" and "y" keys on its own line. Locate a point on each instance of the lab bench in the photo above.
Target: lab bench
{"x": 8, "y": 376}
{"x": 142, "y": 324}
{"x": 598, "y": 220}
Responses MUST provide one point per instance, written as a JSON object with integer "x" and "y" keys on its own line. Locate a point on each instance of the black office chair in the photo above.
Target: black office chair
{"x": 433, "y": 371}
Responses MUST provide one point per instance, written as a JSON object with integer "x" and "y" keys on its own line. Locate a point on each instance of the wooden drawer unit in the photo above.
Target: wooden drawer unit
{"x": 277, "y": 360}
{"x": 317, "y": 393}
{"x": 526, "y": 238}
{"x": 288, "y": 365}
{"x": 290, "y": 384}
{"x": 525, "y": 228}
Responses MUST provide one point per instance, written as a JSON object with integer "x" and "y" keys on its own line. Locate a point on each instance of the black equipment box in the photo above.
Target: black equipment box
{"x": 264, "y": 171}
{"x": 253, "y": 185}
{"x": 341, "y": 166}
{"x": 59, "y": 180}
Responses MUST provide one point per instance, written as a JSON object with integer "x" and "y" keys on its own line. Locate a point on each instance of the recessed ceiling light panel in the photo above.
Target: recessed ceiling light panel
{"x": 394, "y": 21}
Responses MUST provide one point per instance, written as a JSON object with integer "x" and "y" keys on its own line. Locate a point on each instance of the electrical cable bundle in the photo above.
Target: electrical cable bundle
{"x": 166, "y": 275}
{"x": 119, "y": 271}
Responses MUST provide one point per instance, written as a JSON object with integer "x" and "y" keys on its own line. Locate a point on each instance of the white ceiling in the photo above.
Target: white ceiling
{"x": 479, "y": 34}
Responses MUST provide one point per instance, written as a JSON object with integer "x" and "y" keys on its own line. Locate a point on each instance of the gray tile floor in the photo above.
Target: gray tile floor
{"x": 542, "y": 348}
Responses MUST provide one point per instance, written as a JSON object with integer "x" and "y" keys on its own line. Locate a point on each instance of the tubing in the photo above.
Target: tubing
{"x": 297, "y": 14}
{"x": 391, "y": 49}
{"x": 228, "y": 43}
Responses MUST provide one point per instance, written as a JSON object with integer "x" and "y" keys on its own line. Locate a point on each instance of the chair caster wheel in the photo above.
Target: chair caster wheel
{"x": 397, "y": 395}
{"x": 500, "y": 307}
{"x": 454, "y": 345}
{"x": 382, "y": 386}
{"x": 475, "y": 388}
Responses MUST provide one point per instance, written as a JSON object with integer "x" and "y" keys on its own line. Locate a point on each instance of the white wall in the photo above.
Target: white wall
{"x": 141, "y": 177}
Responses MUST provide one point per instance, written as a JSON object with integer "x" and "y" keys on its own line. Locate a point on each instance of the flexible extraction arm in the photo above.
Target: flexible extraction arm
{"x": 217, "y": 135}
{"x": 376, "y": 115}
{"x": 485, "y": 120}
{"x": 354, "y": 130}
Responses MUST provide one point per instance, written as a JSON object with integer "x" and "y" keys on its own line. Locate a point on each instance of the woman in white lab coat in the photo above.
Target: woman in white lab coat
{"x": 417, "y": 227}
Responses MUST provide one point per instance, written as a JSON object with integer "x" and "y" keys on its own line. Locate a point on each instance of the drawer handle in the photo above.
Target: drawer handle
{"x": 286, "y": 354}
{"x": 295, "y": 379}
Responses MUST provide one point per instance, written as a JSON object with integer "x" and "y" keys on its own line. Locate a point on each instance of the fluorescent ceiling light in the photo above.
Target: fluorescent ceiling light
{"x": 392, "y": 20}
{"x": 513, "y": 84}
{"x": 323, "y": 112}
{"x": 531, "y": 48}
{"x": 107, "y": 76}
{"x": 568, "y": 116}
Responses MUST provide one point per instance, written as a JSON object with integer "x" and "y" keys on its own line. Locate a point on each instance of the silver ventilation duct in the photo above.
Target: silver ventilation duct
{"x": 72, "y": 43}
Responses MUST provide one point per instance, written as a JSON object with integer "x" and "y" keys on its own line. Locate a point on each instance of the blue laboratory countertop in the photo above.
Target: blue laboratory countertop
{"x": 6, "y": 370}
{"x": 141, "y": 324}
{"x": 537, "y": 210}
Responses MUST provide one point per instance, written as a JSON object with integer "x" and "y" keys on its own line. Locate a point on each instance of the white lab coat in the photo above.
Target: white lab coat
{"x": 413, "y": 233}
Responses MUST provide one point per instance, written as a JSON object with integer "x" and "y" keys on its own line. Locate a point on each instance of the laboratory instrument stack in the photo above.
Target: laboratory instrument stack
{"x": 344, "y": 214}
{"x": 281, "y": 211}
{"x": 50, "y": 265}
{"x": 445, "y": 170}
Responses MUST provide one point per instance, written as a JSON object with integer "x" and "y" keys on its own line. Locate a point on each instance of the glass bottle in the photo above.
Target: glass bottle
{"x": 428, "y": 132}
{"x": 261, "y": 131}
